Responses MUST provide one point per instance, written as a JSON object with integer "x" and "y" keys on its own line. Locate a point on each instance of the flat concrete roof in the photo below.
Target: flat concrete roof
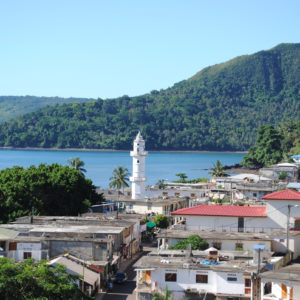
{"x": 288, "y": 273}
{"x": 79, "y": 229}
{"x": 178, "y": 263}
{"x": 183, "y": 234}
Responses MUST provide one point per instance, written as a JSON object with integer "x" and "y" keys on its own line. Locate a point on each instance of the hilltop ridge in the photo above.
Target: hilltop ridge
{"x": 219, "y": 108}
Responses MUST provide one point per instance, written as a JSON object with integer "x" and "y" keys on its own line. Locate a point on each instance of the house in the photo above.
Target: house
{"x": 296, "y": 158}
{"x": 291, "y": 170}
{"x": 272, "y": 216}
{"x": 6, "y": 236}
{"x": 195, "y": 274}
{"x": 225, "y": 241}
{"x": 283, "y": 283}
{"x": 90, "y": 279}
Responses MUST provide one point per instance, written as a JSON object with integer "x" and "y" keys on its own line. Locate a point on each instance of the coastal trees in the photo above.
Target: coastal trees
{"x": 182, "y": 177}
{"x": 218, "y": 170}
{"x": 77, "y": 164}
{"x": 36, "y": 280}
{"x": 47, "y": 190}
{"x": 268, "y": 149}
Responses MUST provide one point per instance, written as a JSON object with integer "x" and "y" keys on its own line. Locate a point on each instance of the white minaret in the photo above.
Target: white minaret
{"x": 138, "y": 178}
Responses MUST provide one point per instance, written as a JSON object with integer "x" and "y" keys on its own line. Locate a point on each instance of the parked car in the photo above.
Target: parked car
{"x": 120, "y": 277}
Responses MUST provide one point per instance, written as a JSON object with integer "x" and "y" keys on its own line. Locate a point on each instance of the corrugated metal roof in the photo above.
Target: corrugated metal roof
{"x": 223, "y": 210}
{"x": 90, "y": 277}
{"x": 283, "y": 195}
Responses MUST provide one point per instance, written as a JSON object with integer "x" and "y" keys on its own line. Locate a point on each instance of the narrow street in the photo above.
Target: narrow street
{"x": 124, "y": 291}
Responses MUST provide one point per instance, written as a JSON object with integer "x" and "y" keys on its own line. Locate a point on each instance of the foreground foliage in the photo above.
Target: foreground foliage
{"x": 220, "y": 108}
{"x": 197, "y": 243}
{"x": 36, "y": 280}
{"x": 47, "y": 189}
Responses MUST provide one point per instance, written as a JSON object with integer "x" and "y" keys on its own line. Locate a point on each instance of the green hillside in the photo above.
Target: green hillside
{"x": 13, "y": 106}
{"x": 220, "y": 108}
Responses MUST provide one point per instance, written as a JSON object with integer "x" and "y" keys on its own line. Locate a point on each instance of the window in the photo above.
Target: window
{"x": 231, "y": 279}
{"x": 138, "y": 161}
{"x": 27, "y": 255}
{"x": 239, "y": 246}
{"x": 217, "y": 245}
{"x": 201, "y": 278}
{"x": 254, "y": 195}
{"x": 131, "y": 206}
{"x": 247, "y": 286}
{"x": 171, "y": 277}
{"x": 149, "y": 206}
{"x": 12, "y": 246}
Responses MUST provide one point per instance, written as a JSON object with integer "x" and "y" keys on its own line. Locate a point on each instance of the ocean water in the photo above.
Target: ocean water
{"x": 100, "y": 165}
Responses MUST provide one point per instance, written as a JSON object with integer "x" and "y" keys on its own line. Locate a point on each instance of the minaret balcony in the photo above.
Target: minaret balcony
{"x": 135, "y": 153}
{"x": 137, "y": 179}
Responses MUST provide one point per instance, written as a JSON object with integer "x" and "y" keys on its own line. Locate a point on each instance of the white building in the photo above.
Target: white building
{"x": 196, "y": 276}
{"x": 281, "y": 284}
{"x": 138, "y": 177}
{"x": 267, "y": 218}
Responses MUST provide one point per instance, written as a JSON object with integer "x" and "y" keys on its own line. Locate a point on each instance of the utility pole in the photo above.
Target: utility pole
{"x": 258, "y": 277}
{"x": 288, "y": 229}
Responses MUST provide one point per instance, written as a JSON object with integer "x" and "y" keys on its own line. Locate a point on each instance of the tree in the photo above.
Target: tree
{"x": 119, "y": 178}
{"x": 37, "y": 280}
{"x": 77, "y": 164}
{"x": 182, "y": 176}
{"x": 218, "y": 170}
{"x": 166, "y": 296}
{"x": 49, "y": 189}
{"x": 268, "y": 150}
{"x": 282, "y": 176}
{"x": 161, "y": 221}
{"x": 195, "y": 240}
{"x": 161, "y": 184}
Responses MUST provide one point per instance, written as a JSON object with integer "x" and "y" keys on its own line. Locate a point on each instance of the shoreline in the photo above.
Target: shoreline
{"x": 114, "y": 150}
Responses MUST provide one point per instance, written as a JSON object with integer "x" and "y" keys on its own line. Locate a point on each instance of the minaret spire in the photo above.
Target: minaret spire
{"x": 138, "y": 178}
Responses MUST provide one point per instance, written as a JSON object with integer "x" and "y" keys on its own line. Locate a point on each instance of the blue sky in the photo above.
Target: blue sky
{"x": 112, "y": 48}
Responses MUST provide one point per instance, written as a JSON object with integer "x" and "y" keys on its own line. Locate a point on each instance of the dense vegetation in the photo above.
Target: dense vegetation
{"x": 274, "y": 145}
{"x": 36, "y": 280}
{"x": 47, "y": 189}
{"x": 220, "y": 108}
{"x": 13, "y": 106}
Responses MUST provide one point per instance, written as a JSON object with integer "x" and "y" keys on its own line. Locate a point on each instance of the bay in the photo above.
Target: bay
{"x": 100, "y": 164}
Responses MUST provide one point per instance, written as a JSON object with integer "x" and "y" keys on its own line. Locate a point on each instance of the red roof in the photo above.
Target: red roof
{"x": 223, "y": 210}
{"x": 283, "y": 195}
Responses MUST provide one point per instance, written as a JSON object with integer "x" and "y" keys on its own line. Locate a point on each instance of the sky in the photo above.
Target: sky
{"x": 106, "y": 49}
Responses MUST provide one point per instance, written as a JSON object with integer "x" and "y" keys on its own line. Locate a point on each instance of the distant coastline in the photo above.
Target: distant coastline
{"x": 113, "y": 150}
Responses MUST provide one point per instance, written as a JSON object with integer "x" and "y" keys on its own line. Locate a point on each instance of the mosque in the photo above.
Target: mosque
{"x": 140, "y": 200}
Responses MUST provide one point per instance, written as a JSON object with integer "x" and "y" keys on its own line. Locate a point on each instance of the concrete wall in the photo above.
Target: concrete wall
{"x": 230, "y": 245}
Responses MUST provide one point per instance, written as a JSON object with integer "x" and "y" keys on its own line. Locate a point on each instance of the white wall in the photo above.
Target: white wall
{"x": 34, "y": 248}
{"x": 277, "y": 211}
{"x": 217, "y": 281}
{"x": 225, "y": 223}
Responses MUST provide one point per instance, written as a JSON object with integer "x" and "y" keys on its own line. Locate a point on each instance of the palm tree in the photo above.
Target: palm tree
{"x": 77, "y": 164}
{"x": 119, "y": 180}
{"x": 218, "y": 170}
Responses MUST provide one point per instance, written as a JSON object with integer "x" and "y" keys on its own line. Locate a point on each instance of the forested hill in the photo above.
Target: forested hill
{"x": 220, "y": 108}
{"x": 13, "y": 106}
